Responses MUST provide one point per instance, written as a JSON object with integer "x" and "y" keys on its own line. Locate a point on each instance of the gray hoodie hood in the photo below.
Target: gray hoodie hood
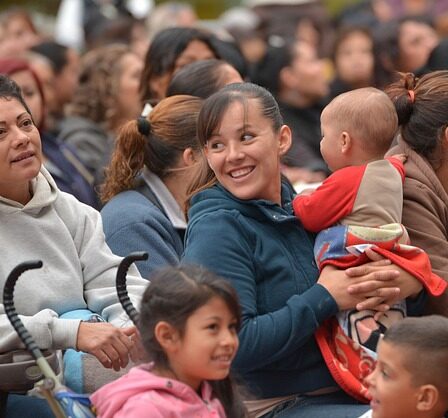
{"x": 45, "y": 193}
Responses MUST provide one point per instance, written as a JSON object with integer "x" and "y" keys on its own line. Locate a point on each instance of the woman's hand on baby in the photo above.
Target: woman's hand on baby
{"x": 382, "y": 290}
{"x": 112, "y": 346}
{"x": 345, "y": 288}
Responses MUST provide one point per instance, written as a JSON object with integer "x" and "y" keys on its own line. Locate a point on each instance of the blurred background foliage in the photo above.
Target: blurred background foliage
{"x": 206, "y": 9}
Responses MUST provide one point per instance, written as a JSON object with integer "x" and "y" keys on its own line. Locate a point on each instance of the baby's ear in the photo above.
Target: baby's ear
{"x": 345, "y": 142}
{"x": 167, "y": 336}
{"x": 428, "y": 396}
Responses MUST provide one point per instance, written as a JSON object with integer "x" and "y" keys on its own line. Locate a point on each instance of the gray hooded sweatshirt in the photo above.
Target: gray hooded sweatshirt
{"x": 78, "y": 267}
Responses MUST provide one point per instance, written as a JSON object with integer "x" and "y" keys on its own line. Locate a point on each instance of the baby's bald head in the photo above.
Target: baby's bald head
{"x": 368, "y": 115}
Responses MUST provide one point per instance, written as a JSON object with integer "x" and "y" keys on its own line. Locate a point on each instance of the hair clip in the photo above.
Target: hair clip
{"x": 411, "y": 95}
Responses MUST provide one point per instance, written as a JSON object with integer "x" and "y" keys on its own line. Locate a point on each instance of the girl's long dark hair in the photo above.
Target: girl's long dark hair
{"x": 173, "y": 295}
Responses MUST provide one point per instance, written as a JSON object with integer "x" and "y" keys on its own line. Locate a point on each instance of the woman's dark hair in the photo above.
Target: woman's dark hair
{"x": 266, "y": 72}
{"x": 171, "y": 129}
{"x": 438, "y": 59}
{"x": 163, "y": 52}
{"x": 10, "y": 90}
{"x": 230, "y": 52}
{"x": 200, "y": 79}
{"x": 173, "y": 295}
{"x": 387, "y": 48}
{"x": 54, "y": 52}
{"x": 422, "y": 108}
{"x": 213, "y": 111}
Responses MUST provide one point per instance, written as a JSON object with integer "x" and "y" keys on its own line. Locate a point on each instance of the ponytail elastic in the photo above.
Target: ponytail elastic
{"x": 143, "y": 125}
{"x": 411, "y": 94}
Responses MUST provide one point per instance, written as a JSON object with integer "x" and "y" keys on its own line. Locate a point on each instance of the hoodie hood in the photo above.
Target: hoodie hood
{"x": 45, "y": 193}
{"x": 111, "y": 398}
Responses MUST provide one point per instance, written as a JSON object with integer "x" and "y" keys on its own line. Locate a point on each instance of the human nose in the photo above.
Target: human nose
{"x": 229, "y": 339}
{"x": 370, "y": 379}
{"x": 234, "y": 151}
{"x": 20, "y": 138}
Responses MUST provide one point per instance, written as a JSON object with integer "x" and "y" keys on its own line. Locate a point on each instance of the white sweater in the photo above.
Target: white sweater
{"x": 78, "y": 267}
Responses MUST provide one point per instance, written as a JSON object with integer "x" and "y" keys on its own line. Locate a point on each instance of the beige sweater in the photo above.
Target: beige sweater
{"x": 425, "y": 216}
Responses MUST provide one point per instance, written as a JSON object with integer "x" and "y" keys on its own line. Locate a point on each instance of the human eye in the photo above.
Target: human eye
{"x": 215, "y": 145}
{"x": 384, "y": 373}
{"x": 3, "y": 132}
{"x": 27, "y": 123}
{"x": 233, "y": 327}
{"x": 213, "y": 326}
{"x": 246, "y": 136}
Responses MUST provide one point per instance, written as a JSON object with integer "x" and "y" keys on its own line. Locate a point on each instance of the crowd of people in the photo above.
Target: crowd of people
{"x": 286, "y": 172}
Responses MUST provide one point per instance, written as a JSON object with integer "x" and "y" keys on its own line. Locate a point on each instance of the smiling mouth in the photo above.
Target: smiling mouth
{"x": 236, "y": 174}
{"x": 23, "y": 156}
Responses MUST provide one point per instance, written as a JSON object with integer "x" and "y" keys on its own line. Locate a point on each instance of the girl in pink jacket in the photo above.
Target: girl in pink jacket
{"x": 189, "y": 320}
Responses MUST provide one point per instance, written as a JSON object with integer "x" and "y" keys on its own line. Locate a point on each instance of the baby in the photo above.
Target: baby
{"x": 360, "y": 206}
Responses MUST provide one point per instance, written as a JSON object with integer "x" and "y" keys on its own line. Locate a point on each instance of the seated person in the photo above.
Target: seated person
{"x": 241, "y": 226}
{"x": 41, "y": 222}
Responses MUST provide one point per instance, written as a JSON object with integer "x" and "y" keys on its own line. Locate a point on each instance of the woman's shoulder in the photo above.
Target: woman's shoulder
{"x": 132, "y": 206}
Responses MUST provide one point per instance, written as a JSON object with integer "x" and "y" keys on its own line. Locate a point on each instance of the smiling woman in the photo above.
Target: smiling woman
{"x": 38, "y": 221}
{"x": 241, "y": 226}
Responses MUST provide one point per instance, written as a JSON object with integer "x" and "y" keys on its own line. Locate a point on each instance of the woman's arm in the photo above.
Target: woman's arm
{"x": 49, "y": 331}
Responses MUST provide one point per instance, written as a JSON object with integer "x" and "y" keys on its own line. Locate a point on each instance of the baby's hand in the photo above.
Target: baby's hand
{"x": 402, "y": 157}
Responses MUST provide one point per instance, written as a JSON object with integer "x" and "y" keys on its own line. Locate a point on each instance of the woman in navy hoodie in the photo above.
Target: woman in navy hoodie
{"x": 241, "y": 226}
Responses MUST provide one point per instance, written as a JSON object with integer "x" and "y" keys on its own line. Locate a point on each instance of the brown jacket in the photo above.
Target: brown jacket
{"x": 425, "y": 216}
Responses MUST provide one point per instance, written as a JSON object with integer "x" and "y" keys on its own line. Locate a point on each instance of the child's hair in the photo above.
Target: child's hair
{"x": 173, "y": 295}
{"x": 367, "y": 114}
{"x": 212, "y": 112}
{"x": 423, "y": 342}
{"x": 171, "y": 129}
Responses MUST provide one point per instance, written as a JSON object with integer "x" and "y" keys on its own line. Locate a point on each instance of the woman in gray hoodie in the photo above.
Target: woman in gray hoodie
{"x": 38, "y": 221}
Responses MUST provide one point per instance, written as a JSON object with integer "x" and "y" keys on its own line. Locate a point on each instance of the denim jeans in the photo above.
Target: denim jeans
{"x": 333, "y": 405}
{"x": 21, "y": 406}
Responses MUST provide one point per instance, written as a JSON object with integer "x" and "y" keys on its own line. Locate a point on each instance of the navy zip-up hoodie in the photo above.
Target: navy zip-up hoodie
{"x": 266, "y": 254}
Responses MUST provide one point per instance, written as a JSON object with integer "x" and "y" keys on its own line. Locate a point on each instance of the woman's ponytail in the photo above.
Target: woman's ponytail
{"x": 127, "y": 159}
{"x": 403, "y": 95}
{"x": 422, "y": 109}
